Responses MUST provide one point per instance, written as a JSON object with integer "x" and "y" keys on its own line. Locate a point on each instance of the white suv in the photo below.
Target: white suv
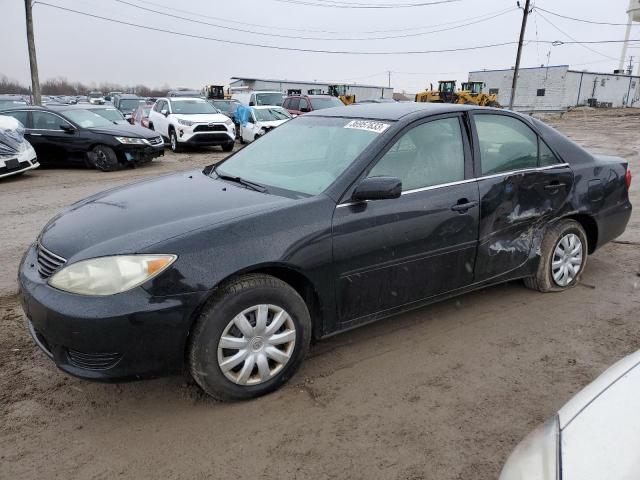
{"x": 191, "y": 121}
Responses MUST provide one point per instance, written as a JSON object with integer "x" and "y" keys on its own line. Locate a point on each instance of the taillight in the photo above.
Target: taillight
{"x": 628, "y": 178}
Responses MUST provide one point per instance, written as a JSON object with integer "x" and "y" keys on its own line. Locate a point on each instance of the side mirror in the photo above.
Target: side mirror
{"x": 164, "y": 112}
{"x": 252, "y": 104}
{"x": 65, "y": 127}
{"x": 304, "y": 110}
{"x": 378, "y": 188}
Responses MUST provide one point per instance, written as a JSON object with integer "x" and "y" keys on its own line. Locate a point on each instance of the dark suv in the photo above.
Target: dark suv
{"x": 299, "y": 104}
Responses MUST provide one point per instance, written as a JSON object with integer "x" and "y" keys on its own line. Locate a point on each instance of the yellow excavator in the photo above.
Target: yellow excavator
{"x": 340, "y": 91}
{"x": 472, "y": 94}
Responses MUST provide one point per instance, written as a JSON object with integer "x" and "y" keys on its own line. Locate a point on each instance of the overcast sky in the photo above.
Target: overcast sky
{"x": 94, "y": 50}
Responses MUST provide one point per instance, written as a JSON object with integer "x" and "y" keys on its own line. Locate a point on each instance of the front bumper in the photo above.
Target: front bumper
{"x": 25, "y": 160}
{"x": 139, "y": 154}
{"x": 191, "y": 136}
{"x": 128, "y": 336}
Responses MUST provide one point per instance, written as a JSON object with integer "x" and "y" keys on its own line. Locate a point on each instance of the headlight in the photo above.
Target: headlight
{"x": 536, "y": 457}
{"x": 131, "y": 140}
{"x": 228, "y": 122}
{"x": 186, "y": 123}
{"x": 110, "y": 275}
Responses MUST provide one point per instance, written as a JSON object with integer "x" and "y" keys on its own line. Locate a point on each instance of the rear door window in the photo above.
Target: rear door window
{"x": 506, "y": 144}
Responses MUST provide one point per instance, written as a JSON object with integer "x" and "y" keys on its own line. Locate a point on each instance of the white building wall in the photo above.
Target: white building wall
{"x": 619, "y": 90}
{"x": 362, "y": 92}
{"x": 530, "y": 80}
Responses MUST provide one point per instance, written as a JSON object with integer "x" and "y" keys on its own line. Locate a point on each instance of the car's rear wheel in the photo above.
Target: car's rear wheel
{"x": 173, "y": 140}
{"x": 250, "y": 338}
{"x": 104, "y": 158}
{"x": 564, "y": 251}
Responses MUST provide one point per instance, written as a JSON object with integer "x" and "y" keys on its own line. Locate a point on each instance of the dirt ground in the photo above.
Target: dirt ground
{"x": 441, "y": 393}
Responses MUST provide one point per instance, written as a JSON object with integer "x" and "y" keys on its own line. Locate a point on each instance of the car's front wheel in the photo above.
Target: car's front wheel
{"x": 564, "y": 252}
{"x": 227, "y": 147}
{"x": 250, "y": 338}
{"x": 104, "y": 158}
{"x": 173, "y": 140}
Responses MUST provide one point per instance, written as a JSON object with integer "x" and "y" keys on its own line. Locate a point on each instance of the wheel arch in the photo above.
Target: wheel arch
{"x": 590, "y": 227}
{"x": 288, "y": 274}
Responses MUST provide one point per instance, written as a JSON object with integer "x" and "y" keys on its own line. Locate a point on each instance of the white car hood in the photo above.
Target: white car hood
{"x": 202, "y": 117}
{"x": 271, "y": 123}
{"x": 600, "y": 426}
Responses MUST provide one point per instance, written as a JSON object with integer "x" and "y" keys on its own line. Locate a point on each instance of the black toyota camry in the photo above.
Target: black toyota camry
{"x": 333, "y": 220}
{"x": 71, "y": 134}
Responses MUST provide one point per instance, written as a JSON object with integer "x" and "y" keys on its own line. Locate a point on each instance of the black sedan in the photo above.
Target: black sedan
{"x": 65, "y": 135}
{"x": 333, "y": 220}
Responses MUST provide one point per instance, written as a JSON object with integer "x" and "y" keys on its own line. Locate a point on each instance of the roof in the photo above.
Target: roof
{"x": 305, "y": 82}
{"x": 568, "y": 67}
{"x": 389, "y": 111}
{"x": 521, "y": 68}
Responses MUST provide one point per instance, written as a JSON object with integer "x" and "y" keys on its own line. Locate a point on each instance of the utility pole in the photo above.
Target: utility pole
{"x": 389, "y": 72}
{"x": 516, "y": 70}
{"x": 33, "y": 63}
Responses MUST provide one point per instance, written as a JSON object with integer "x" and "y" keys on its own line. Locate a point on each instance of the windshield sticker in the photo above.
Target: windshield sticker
{"x": 368, "y": 125}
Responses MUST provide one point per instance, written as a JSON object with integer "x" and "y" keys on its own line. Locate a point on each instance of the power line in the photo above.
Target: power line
{"x": 352, "y": 5}
{"x": 298, "y": 37}
{"x": 594, "y": 22}
{"x": 281, "y": 27}
{"x": 309, "y": 50}
{"x": 569, "y": 36}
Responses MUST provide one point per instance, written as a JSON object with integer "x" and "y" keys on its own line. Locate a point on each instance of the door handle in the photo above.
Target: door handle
{"x": 554, "y": 186}
{"x": 463, "y": 207}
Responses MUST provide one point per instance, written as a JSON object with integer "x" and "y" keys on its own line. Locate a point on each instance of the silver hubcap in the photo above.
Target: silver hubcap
{"x": 567, "y": 259}
{"x": 173, "y": 141}
{"x": 256, "y": 344}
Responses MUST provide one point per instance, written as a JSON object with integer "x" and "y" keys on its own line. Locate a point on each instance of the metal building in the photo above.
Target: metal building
{"x": 558, "y": 88}
{"x": 292, "y": 87}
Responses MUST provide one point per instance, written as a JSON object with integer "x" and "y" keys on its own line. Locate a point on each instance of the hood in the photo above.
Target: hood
{"x": 271, "y": 123}
{"x": 125, "y": 129}
{"x": 131, "y": 218}
{"x": 202, "y": 117}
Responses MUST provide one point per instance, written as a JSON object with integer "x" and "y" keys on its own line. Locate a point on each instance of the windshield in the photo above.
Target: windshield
{"x": 12, "y": 103}
{"x": 225, "y": 106}
{"x": 110, "y": 114}
{"x": 191, "y": 106}
{"x": 304, "y": 155}
{"x": 95, "y": 94}
{"x": 269, "y": 98}
{"x": 87, "y": 119}
{"x": 271, "y": 114}
{"x": 320, "y": 103}
{"x": 129, "y": 104}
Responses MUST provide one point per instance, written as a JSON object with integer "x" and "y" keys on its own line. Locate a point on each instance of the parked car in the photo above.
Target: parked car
{"x": 335, "y": 219}
{"x": 185, "y": 92}
{"x": 595, "y": 435}
{"x": 189, "y": 121}
{"x": 16, "y": 154}
{"x": 377, "y": 100}
{"x": 258, "y": 98}
{"x": 95, "y": 98}
{"x": 107, "y": 111}
{"x": 127, "y": 103}
{"x": 260, "y": 120}
{"x": 299, "y": 104}
{"x": 109, "y": 97}
{"x": 140, "y": 115}
{"x": 226, "y": 107}
{"x": 73, "y": 135}
{"x": 12, "y": 101}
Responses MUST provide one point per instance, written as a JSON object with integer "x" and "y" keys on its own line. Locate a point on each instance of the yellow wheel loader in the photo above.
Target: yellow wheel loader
{"x": 472, "y": 94}
{"x": 340, "y": 91}
{"x": 446, "y": 93}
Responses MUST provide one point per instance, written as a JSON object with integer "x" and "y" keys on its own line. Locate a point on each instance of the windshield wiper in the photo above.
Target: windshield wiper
{"x": 252, "y": 185}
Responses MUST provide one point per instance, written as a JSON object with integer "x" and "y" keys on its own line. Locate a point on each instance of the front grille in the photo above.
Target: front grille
{"x": 210, "y": 137}
{"x": 210, "y": 128}
{"x": 21, "y": 166}
{"x": 156, "y": 141}
{"x": 48, "y": 262}
{"x": 93, "y": 361}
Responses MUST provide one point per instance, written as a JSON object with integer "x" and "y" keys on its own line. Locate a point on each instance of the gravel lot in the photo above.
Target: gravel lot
{"x": 441, "y": 393}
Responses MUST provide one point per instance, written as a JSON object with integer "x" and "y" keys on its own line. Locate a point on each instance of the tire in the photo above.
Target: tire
{"x": 104, "y": 158}
{"x": 173, "y": 141}
{"x": 227, "y": 147}
{"x": 545, "y": 279}
{"x": 249, "y": 377}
